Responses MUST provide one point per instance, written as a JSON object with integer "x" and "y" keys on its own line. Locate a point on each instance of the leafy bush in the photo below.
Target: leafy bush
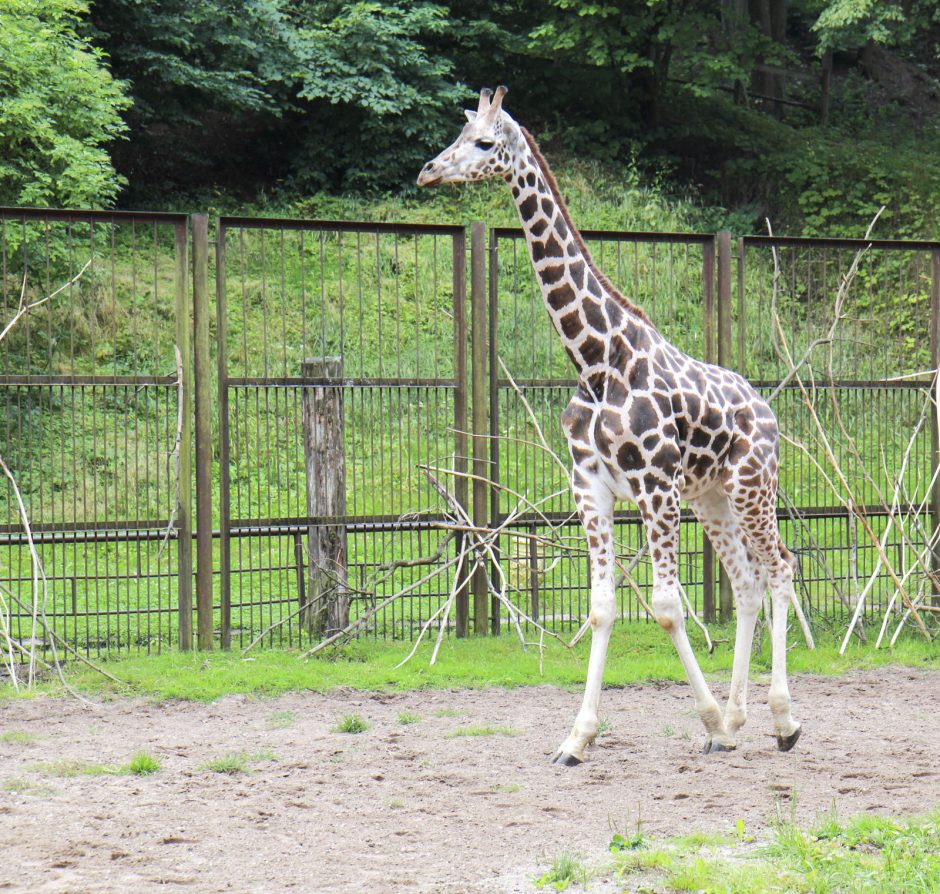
{"x": 59, "y": 109}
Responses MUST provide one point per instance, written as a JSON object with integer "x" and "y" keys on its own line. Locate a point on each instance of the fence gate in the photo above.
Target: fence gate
{"x": 342, "y": 368}
{"x": 96, "y": 428}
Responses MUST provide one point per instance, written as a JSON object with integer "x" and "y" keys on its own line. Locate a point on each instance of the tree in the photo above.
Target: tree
{"x": 376, "y": 99}
{"x": 210, "y": 80}
{"x": 59, "y": 109}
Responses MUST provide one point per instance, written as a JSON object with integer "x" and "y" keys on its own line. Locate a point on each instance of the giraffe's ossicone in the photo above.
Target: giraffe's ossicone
{"x": 648, "y": 424}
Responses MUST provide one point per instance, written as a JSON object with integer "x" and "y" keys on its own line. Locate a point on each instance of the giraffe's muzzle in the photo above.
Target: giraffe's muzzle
{"x": 430, "y": 175}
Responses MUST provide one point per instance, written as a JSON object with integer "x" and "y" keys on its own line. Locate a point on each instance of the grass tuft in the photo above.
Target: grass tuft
{"x": 232, "y": 764}
{"x": 143, "y": 764}
{"x": 406, "y": 718}
{"x": 565, "y": 869}
{"x": 352, "y": 724}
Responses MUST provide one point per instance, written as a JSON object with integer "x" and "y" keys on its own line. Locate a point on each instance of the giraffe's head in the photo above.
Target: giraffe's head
{"x": 484, "y": 149}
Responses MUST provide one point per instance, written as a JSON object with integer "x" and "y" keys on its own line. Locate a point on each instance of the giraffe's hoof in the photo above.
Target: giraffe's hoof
{"x": 785, "y": 743}
{"x": 712, "y": 746}
{"x": 566, "y": 760}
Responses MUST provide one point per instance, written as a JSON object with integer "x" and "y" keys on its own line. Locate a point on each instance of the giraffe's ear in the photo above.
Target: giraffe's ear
{"x": 471, "y": 115}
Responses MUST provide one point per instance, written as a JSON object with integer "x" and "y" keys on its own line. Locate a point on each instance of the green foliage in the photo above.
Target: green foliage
{"x": 367, "y": 71}
{"x": 59, "y": 109}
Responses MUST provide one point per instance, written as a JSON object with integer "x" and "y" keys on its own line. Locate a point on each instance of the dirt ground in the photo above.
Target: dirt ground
{"x": 416, "y": 808}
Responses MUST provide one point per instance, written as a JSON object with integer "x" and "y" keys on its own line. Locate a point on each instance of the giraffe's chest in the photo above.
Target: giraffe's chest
{"x": 651, "y": 439}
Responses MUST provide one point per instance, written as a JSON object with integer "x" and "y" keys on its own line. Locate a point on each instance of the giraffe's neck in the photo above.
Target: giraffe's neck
{"x": 584, "y": 307}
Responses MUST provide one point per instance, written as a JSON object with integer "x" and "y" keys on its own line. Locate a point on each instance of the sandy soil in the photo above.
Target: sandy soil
{"x": 415, "y": 808}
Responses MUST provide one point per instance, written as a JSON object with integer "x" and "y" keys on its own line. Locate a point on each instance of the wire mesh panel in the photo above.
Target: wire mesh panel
{"x": 853, "y": 319}
{"x": 367, "y": 319}
{"x": 670, "y": 276}
{"x": 94, "y": 429}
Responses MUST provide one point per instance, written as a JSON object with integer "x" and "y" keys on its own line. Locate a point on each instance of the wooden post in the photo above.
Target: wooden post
{"x": 327, "y": 602}
{"x": 725, "y": 359}
{"x": 203, "y": 385}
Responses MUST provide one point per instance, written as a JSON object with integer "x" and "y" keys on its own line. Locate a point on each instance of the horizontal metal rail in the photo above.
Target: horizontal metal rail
{"x": 818, "y": 385}
{"x": 88, "y": 216}
{"x": 857, "y": 244}
{"x": 619, "y": 236}
{"x": 340, "y": 226}
{"x": 321, "y": 381}
{"x": 84, "y": 381}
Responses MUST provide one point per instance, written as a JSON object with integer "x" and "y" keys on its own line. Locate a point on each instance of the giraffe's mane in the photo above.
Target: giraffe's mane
{"x": 576, "y": 233}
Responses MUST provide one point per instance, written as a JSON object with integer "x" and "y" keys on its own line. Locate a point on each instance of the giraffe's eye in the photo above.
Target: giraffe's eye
{"x": 485, "y": 145}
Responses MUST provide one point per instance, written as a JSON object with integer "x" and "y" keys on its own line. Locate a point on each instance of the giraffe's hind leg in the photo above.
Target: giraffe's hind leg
{"x": 755, "y": 508}
{"x": 749, "y": 582}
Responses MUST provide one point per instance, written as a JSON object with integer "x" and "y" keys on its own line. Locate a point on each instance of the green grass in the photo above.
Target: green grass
{"x": 232, "y": 764}
{"x": 566, "y": 868}
{"x": 406, "y": 718}
{"x": 638, "y": 653}
{"x": 19, "y": 737}
{"x": 236, "y": 762}
{"x": 463, "y": 731}
{"x": 20, "y": 786}
{"x": 141, "y": 764}
{"x": 352, "y": 724}
{"x": 864, "y": 855}
{"x": 281, "y": 720}
{"x": 144, "y": 764}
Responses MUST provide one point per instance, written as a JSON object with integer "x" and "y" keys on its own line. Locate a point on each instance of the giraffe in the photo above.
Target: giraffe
{"x": 648, "y": 424}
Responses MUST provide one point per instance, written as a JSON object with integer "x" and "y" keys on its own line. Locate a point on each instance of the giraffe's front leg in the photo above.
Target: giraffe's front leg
{"x": 662, "y": 531}
{"x": 596, "y": 508}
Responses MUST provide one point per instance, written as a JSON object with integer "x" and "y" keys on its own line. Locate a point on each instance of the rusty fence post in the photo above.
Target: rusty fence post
{"x": 480, "y": 414}
{"x": 203, "y": 411}
{"x": 725, "y": 359}
{"x": 935, "y": 423}
{"x": 461, "y": 423}
{"x": 327, "y": 598}
{"x": 708, "y": 328}
{"x": 184, "y": 510}
{"x": 225, "y": 484}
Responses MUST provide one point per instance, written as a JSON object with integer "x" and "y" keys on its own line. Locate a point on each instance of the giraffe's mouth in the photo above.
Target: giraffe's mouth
{"x": 426, "y": 179}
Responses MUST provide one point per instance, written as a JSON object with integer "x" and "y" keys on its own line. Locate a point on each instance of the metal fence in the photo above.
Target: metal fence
{"x": 372, "y": 334}
{"x": 96, "y": 426}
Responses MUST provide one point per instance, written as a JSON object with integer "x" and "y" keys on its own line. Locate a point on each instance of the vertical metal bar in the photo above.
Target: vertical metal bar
{"x": 480, "y": 414}
{"x": 225, "y": 521}
{"x": 935, "y": 422}
{"x": 203, "y": 407}
{"x": 725, "y": 597}
{"x": 184, "y": 510}
{"x": 742, "y": 313}
{"x": 708, "y": 327}
{"x": 460, "y": 399}
{"x": 493, "y": 421}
